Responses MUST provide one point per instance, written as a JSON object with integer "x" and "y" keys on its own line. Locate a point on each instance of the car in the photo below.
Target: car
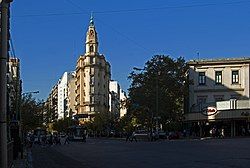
{"x": 162, "y": 134}
{"x": 173, "y": 135}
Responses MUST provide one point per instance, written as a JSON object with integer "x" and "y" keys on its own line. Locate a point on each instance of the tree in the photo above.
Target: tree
{"x": 101, "y": 123}
{"x": 63, "y": 124}
{"x": 31, "y": 113}
{"x": 157, "y": 91}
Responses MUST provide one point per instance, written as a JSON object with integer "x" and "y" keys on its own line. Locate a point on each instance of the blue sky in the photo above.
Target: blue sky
{"x": 49, "y": 35}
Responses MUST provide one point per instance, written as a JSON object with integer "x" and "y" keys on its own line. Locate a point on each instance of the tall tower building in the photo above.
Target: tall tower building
{"x": 92, "y": 78}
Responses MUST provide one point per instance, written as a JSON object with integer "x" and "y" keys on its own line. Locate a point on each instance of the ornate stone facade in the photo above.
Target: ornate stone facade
{"x": 92, "y": 78}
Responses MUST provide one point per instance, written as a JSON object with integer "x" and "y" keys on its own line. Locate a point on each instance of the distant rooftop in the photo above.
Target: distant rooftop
{"x": 220, "y": 60}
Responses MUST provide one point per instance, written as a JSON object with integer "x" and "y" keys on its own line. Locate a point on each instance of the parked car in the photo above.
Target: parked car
{"x": 173, "y": 135}
{"x": 162, "y": 135}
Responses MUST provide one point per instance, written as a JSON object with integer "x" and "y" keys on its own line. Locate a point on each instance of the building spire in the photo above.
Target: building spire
{"x": 91, "y": 38}
{"x": 91, "y": 23}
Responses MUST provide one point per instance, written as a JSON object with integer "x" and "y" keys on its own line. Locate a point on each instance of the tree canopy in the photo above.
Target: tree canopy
{"x": 157, "y": 91}
{"x": 31, "y": 113}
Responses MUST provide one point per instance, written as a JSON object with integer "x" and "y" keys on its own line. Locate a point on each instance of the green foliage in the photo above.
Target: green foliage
{"x": 101, "y": 122}
{"x": 31, "y": 113}
{"x": 158, "y": 90}
{"x": 62, "y": 124}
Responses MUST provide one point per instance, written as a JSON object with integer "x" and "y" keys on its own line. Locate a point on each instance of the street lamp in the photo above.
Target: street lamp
{"x": 157, "y": 103}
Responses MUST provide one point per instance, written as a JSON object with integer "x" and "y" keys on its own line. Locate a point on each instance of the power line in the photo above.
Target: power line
{"x": 130, "y": 10}
{"x": 49, "y": 14}
{"x": 112, "y": 28}
{"x": 171, "y": 7}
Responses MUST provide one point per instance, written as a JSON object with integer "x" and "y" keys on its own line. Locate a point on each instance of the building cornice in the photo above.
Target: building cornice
{"x": 224, "y": 61}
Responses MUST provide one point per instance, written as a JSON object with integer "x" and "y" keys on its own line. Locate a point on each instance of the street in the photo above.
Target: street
{"x": 107, "y": 153}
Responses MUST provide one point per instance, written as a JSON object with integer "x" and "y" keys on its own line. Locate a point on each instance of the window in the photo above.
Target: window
{"x": 92, "y": 109}
{"x": 202, "y": 78}
{"x": 91, "y": 60}
{"x": 92, "y": 90}
{"x": 91, "y": 48}
{"x": 235, "y": 77}
{"x": 92, "y": 71}
{"x": 92, "y": 80}
{"x": 92, "y": 99}
{"x": 218, "y": 77}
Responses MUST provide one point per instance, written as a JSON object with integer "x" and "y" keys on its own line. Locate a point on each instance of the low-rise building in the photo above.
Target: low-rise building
{"x": 218, "y": 98}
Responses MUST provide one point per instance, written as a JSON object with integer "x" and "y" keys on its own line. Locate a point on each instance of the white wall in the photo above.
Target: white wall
{"x": 62, "y": 95}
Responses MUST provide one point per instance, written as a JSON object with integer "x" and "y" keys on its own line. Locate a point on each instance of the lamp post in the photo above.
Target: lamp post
{"x": 157, "y": 102}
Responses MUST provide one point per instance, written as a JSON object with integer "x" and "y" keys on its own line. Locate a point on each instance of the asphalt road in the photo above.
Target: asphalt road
{"x": 105, "y": 153}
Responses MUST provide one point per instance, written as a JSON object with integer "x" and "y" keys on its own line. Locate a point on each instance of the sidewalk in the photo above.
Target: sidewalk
{"x": 26, "y": 162}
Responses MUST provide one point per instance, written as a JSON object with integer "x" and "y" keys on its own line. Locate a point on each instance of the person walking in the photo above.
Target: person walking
{"x": 66, "y": 139}
{"x": 133, "y": 137}
{"x": 128, "y": 136}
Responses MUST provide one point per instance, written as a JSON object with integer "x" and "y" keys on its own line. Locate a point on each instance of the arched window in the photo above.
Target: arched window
{"x": 91, "y": 48}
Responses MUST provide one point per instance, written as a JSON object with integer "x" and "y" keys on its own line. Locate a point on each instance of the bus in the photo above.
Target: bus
{"x": 76, "y": 133}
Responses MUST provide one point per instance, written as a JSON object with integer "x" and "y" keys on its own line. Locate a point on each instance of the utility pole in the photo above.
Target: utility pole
{"x": 157, "y": 101}
{"x": 3, "y": 82}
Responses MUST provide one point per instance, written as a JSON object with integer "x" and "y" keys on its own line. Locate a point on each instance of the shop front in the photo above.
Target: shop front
{"x": 223, "y": 123}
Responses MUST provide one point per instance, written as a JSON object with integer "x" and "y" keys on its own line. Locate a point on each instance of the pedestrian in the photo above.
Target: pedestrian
{"x": 133, "y": 137}
{"x": 128, "y": 136}
{"x": 57, "y": 140}
{"x": 66, "y": 139}
{"x": 50, "y": 140}
{"x": 83, "y": 134}
{"x": 222, "y": 133}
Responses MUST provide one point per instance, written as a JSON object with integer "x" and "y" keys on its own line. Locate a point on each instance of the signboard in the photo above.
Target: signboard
{"x": 208, "y": 111}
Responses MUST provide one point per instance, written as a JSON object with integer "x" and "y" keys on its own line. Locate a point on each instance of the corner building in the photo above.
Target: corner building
{"x": 92, "y": 79}
{"x": 219, "y": 97}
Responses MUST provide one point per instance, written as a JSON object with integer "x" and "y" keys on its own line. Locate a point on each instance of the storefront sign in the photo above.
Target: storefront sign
{"x": 208, "y": 111}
